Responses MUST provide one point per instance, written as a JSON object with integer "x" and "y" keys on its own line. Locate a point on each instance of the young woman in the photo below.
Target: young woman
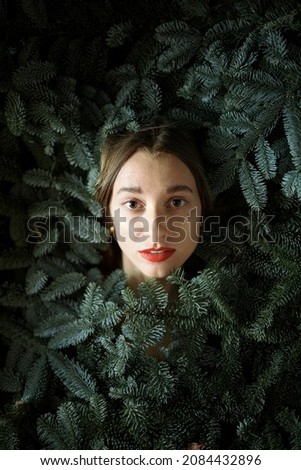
{"x": 155, "y": 194}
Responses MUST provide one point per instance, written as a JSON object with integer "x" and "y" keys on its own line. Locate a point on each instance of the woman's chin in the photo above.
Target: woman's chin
{"x": 156, "y": 272}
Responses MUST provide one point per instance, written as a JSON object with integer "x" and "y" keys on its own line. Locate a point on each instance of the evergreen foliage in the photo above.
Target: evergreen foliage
{"x": 77, "y": 363}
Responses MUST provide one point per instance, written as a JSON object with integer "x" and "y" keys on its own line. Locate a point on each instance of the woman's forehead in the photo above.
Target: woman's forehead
{"x": 143, "y": 169}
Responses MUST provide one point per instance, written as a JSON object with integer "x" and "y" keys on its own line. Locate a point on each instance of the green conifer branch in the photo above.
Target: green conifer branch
{"x": 78, "y": 381}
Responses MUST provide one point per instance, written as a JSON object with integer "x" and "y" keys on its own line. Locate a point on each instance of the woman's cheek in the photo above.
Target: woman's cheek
{"x": 176, "y": 229}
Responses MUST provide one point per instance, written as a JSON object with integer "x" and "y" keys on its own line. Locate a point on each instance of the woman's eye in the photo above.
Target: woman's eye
{"x": 132, "y": 204}
{"x": 177, "y": 203}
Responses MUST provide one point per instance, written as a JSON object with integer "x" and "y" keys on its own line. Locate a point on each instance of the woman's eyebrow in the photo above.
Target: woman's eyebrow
{"x": 178, "y": 188}
{"x": 171, "y": 189}
{"x": 130, "y": 189}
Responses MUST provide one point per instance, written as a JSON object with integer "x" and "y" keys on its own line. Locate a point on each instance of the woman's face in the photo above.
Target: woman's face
{"x": 156, "y": 211}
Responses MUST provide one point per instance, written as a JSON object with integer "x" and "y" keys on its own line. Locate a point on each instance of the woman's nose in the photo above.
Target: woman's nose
{"x": 157, "y": 221}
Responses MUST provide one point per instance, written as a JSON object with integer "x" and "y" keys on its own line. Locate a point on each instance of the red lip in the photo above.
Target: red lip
{"x": 156, "y": 255}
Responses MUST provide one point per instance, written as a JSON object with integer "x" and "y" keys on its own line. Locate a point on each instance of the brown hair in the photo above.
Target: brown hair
{"x": 159, "y": 135}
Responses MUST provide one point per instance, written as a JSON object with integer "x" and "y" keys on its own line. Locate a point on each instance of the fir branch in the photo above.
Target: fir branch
{"x": 98, "y": 409}
{"x": 128, "y": 94}
{"x": 134, "y": 417}
{"x": 252, "y": 185}
{"x": 156, "y": 298}
{"x": 210, "y": 285}
{"x": 280, "y": 295}
{"x": 224, "y": 177}
{"x": 32, "y": 73}
{"x": 124, "y": 388}
{"x": 125, "y": 73}
{"x": 287, "y": 235}
{"x": 73, "y": 185}
{"x": 177, "y": 277}
{"x": 273, "y": 438}
{"x": 54, "y": 266}
{"x": 291, "y": 422}
{"x": 113, "y": 285}
{"x": 162, "y": 382}
{"x": 38, "y": 178}
{"x": 75, "y": 58}
{"x": 254, "y": 399}
{"x": 131, "y": 302}
{"x": 96, "y": 58}
{"x": 118, "y": 119}
{"x": 10, "y": 381}
{"x": 35, "y": 311}
{"x": 118, "y": 33}
{"x": 151, "y": 95}
{"x": 45, "y": 209}
{"x": 14, "y": 330}
{"x": 243, "y": 57}
{"x": 35, "y": 281}
{"x": 192, "y": 304}
{"x": 54, "y": 321}
{"x": 291, "y": 184}
{"x": 283, "y": 253}
{"x": 71, "y": 334}
{"x": 65, "y": 284}
{"x": 15, "y": 258}
{"x": 221, "y": 145}
{"x": 78, "y": 152}
{"x": 50, "y": 434}
{"x": 227, "y": 29}
{"x": 201, "y": 82}
{"x": 194, "y": 8}
{"x": 108, "y": 315}
{"x": 192, "y": 117}
{"x": 245, "y": 428}
{"x": 236, "y": 121}
{"x": 46, "y": 246}
{"x": 36, "y": 381}
{"x": 13, "y": 295}
{"x": 173, "y": 32}
{"x": 92, "y": 178}
{"x": 9, "y": 439}
{"x": 269, "y": 92}
{"x": 292, "y": 127}
{"x": 144, "y": 55}
{"x": 105, "y": 339}
{"x": 44, "y": 113}
{"x": 265, "y": 159}
{"x": 149, "y": 335}
{"x": 183, "y": 41}
{"x": 77, "y": 380}
{"x": 277, "y": 301}
{"x": 93, "y": 300}
{"x": 62, "y": 431}
{"x": 116, "y": 358}
{"x": 94, "y": 274}
{"x": 15, "y": 113}
{"x": 276, "y": 50}
{"x": 27, "y": 355}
